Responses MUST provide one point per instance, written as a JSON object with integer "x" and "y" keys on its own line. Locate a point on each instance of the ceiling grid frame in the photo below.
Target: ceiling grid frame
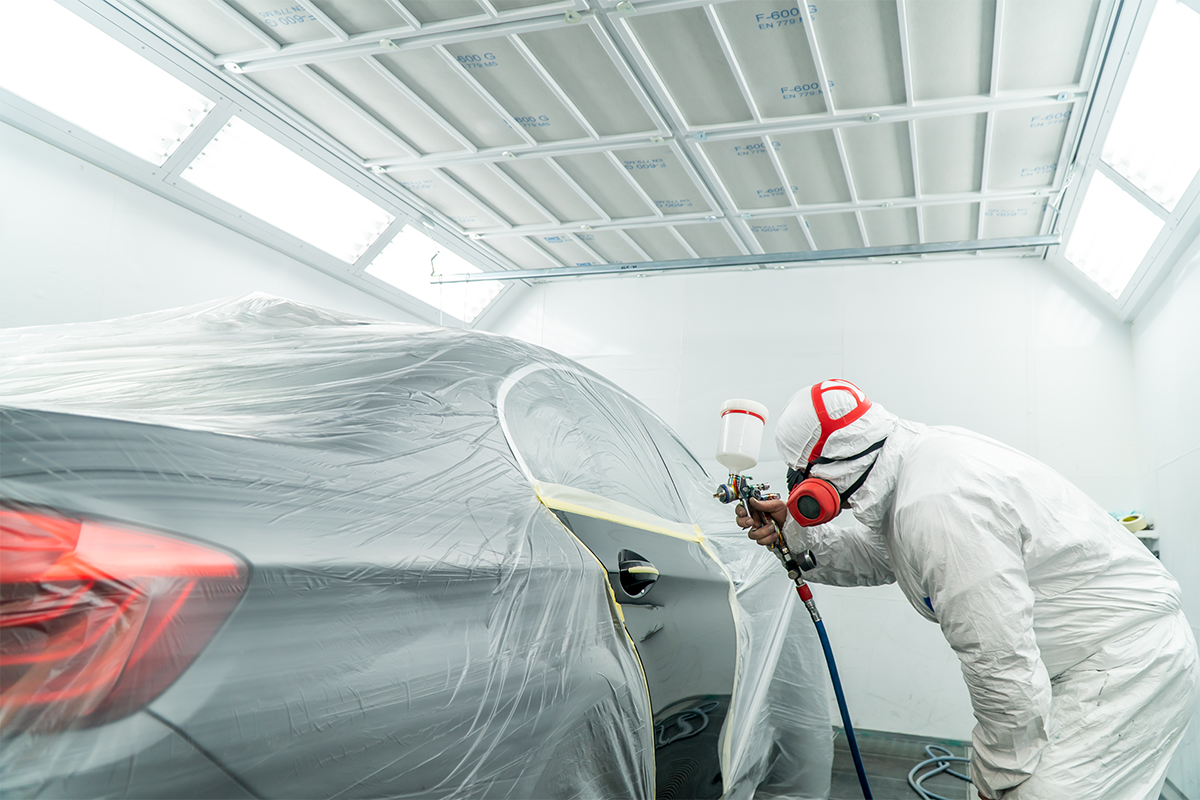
{"x": 633, "y": 62}
{"x": 247, "y": 25}
{"x": 678, "y": 124}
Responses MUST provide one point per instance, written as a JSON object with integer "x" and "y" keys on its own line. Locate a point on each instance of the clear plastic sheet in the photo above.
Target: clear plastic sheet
{"x": 353, "y": 585}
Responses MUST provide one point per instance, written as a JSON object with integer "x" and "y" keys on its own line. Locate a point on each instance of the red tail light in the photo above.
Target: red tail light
{"x": 96, "y": 620}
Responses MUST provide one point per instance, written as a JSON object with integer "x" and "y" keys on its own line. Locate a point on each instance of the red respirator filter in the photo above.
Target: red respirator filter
{"x": 814, "y": 502}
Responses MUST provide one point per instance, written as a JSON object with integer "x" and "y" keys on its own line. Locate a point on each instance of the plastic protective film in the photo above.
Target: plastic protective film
{"x": 257, "y": 549}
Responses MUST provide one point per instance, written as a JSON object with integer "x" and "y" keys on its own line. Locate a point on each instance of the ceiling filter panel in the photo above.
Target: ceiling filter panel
{"x": 812, "y": 163}
{"x": 709, "y": 240}
{"x": 780, "y": 234}
{"x": 1028, "y": 143}
{"x": 361, "y": 16}
{"x": 859, "y": 40}
{"x": 951, "y": 153}
{"x": 748, "y": 171}
{"x": 658, "y": 171}
{"x": 1043, "y": 42}
{"x": 768, "y": 40}
{"x": 548, "y": 187}
{"x": 498, "y": 191}
{"x": 834, "y": 231}
{"x": 1006, "y": 218}
{"x": 442, "y": 194}
{"x": 502, "y": 70}
{"x": 373, "y": 87}
{"x": 207, "y": 25}
{"x": 891, "y": 226}
{"x": 880, "y": 159}
{"x": 429, "y": 11}
{"x": 444, "y": 88}
{"x": 283, "y": 21}
{"x": 950, "y": 45}
{"x": 953, "y": 222}
{"x": 686, "y": 55}
{"x": 662, "y": 243}
{"x": 581, "y": 67}
{"x": 301, "y": 89}
{"x": 606, "y": 180}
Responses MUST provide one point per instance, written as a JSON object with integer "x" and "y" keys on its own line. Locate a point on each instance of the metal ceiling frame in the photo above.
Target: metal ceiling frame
{"x": 610, "y": 22}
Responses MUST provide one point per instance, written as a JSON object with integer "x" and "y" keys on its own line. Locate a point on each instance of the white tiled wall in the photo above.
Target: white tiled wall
{"x": 1166, "y": 346}
{"x": 1007, "y": 346}
{"x": 80, "y": 244}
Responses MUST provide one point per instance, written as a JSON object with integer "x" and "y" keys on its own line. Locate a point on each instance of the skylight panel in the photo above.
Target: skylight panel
{"x": 410, "y": 260}
{"x": 250, "y": 170}
{"x": 60, "y": 63}
{"x": 1111, "y": 235}
{"x": 1153, "y": 141}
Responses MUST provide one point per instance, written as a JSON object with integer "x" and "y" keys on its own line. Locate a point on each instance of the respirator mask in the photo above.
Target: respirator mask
{"x": 815, "y": 501}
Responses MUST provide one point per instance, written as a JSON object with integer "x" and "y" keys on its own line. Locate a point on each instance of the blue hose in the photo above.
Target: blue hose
{"x": 841, "y": 701}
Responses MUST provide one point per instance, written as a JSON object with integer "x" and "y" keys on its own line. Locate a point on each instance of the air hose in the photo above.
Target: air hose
{"x": 942, "y": 759}
{"x": 806, "y": 595}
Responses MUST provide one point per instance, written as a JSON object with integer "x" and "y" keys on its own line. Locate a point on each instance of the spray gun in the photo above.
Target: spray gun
{"x": 742, "y": 423}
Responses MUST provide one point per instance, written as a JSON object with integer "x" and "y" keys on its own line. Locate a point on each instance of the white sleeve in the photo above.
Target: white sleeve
{"x": 847, "y": 552}
{"x": 967, "y": 553}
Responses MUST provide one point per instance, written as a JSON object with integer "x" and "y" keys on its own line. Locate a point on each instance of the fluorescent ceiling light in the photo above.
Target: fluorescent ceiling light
{"x": 248, "y": 169}
{"x": 1111, "y": 235}
{"x": 1154, "y": 141}
{"x": 406, "y": 264}
{"x": 55, "y": 60}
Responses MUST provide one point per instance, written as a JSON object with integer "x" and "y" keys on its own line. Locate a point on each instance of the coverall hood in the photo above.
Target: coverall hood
{"x": 801, "y": 438}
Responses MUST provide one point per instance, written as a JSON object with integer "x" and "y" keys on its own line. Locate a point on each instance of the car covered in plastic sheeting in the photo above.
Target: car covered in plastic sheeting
{"x": 257, "y": 549}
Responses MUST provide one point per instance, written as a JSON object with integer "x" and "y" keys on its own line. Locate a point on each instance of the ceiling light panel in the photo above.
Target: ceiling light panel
{"x": 812, "y": 162}
{"x": 950, "y": 153}
{"x": 891, "y": 226}
{"x": 251, "y": 171}
{"x": 1027, "y": 145}
{"x": 433, "y": 187}
{"x": 685, "y": 53}
{"x": 951, "y": 222}
{"x": 779, "y": 234}
{"x": 408, "y": 263}
{"x": 860, "y": 44}
{"x": 96, "y": 82}
{"x": 1044, "y": 43}
{"x": 834, "y": 231}
{"x": 880, "y": 158}
{"x": 1111, "y": 235}
{"x": 771, "y": 47}
{"x": 1154, "y": 140}
{"x": 1003, "y": 219}
{"x": 950, "y": 48}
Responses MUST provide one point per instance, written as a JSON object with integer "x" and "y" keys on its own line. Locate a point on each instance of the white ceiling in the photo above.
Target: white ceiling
{"x": 589, "y": 131}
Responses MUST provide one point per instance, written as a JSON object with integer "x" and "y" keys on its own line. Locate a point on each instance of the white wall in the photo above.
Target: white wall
{"x": 1008, "y": 347}
{"x": 1166, "y": 347}
{"x": 80, "y": 244}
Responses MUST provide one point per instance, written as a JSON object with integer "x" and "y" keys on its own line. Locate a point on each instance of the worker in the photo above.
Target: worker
{"x": 1081, "y": 667}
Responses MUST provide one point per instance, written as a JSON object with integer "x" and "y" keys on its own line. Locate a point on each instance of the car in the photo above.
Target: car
{"x": 258, "y": 549}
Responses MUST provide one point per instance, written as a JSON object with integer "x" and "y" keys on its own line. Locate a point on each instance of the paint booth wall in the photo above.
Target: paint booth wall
{"x": 1008, "y": 347}
{"x": 1166, "y": 349}
{"x": 79, "y": 244}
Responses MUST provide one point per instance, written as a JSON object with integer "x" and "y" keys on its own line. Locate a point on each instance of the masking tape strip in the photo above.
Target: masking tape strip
{"x": 550, "y": 495}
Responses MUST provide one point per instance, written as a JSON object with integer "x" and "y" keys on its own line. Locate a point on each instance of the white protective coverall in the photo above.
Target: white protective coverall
{"x": 1081, "y": 667}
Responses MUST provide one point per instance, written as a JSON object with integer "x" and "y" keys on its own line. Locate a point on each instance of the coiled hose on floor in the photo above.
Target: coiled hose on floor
{"x": 942, "y": 758}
